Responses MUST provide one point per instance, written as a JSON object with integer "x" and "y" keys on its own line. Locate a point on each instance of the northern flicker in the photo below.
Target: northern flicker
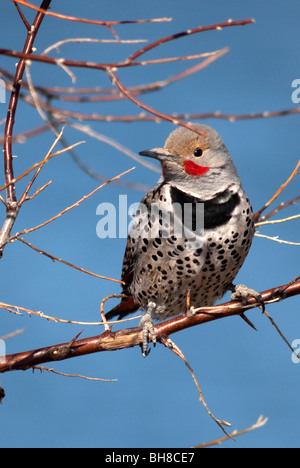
{"x": 170, "y": 254}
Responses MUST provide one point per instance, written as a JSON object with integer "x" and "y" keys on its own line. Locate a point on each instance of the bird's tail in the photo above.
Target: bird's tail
{"x": 126, "y": 307}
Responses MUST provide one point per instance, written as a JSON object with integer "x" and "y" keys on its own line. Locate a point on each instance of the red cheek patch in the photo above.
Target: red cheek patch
{"x": 193, "y": 169}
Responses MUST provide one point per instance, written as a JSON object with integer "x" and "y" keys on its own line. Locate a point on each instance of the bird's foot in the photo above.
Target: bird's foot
{"x": 190, "y": 312}
{"x": 148, "y": 328}
{"x": 240, "y": 291}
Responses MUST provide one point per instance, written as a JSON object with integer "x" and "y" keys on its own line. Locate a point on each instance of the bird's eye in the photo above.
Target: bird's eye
{"x": 198, "y": 152}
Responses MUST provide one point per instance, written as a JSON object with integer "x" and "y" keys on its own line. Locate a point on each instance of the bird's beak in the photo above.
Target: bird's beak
{"x": 159, "y": 153}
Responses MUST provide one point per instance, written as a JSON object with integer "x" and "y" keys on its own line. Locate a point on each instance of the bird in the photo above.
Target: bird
{"x": 191, "y": 232}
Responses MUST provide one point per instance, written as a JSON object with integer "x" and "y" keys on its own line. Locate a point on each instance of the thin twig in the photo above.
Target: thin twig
{"x": 276, "y": 221}
{"x": 281, "y": 334}
{"x": 56, "y": 259}
{"x": 45, "y": 160}
{"x": 44, "y": 368}
{"x": 188, "y": 32}
{"x": 27, "y": 25}
{"x": 143, "y": 117}
{"x": 12, "y": 334}
{"x": 160, "y": 115}
{"x": 104, "y": 319}
{"x": 91, "y": 41}
{"x": 40, "y": 164}
{"x": 36, "y": 100}
{"x": 88, "y": 21}
{"x": 276, "y": 239}
{"x": 18, "y": 310}
{"x": 280, "y": 207}
{"x": 281, "y": 188}
{"x": 259, "y": 423}
{"x": 66, "y": 210}
{"x": 168, "y": 343}
{"x": 38, "y": 191}
{"x": 115, "y": 144}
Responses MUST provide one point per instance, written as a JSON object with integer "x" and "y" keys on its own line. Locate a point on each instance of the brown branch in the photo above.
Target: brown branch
{"x": 112, "y": 94}
{"x": 142, "y": 117}
{"x": 127, "y": 338}
{"x": 7, "y": 147}
{"x": 99, "y": 94}
{"x": 87, "y": 21}
{"x": 69, "y": 208}
{"x": 71, "y": 94}
{"x": 130, "y": 61}
{"x": 280, "y": 207}
{"x": 57, "y": 259}
{"x": 189, "y": 32}
{"x": 27, "y": 25}
{"x": 278, "y": 192}
{"x": 33, "y": 132}
{"x": 41, "y": 163}
{"x": 12, "y": 207}
{"x": 115, "y": 80}
{"x": 86, "y": 64}
{"x": 156, "y": 113}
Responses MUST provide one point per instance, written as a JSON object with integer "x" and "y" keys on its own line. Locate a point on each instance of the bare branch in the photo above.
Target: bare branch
{"x": 259, "y": 423}
{"x": 12, "y": 334}
{"x": 189, "y": 32}
{"x": 27, "y": 25}
{"x": 174, "y": 348}
{"x": 56, "y": 259}
{"x": 281, "y": 334}
{"x": 131, "y": 60}
{"x": 85, "y": 197}
{"x": 12, "y": 207}
{"x": 115, "y": 144}
{"x": 277, "y": 221}
{"x": 97, "y": 379}
{"x": 41, "y": 163}
{"x": 127, "y": 338}
{"x": 281, "y": 188}
{"x": 143, "y": 117}
{"x": 280, "y": 207}
{"x": 276, "y": 239}
{"x": 91, "y": 41}
{"x": 87, "y": 21}
{"x": 9, "y": 175}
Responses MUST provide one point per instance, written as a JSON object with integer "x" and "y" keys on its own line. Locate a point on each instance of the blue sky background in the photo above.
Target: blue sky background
{"x": 242, "y": 373}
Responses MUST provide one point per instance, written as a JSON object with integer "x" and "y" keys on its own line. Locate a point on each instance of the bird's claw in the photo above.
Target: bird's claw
{"x": 242, "y": 292}
{"x": 148, "y": 328}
